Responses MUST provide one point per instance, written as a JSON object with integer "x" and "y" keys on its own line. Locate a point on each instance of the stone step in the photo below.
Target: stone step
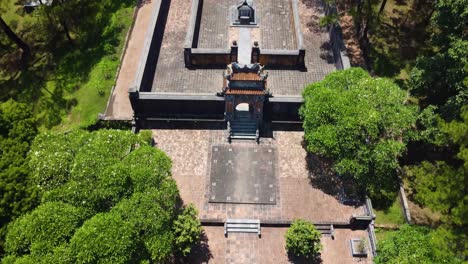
{"x": 242, "y": 226}
{"x": 244, "y": 137}
{"x": 245, "y": 125}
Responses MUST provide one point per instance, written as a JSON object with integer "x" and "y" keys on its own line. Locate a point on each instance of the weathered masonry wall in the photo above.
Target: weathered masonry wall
{"x": 204, "y": 58}
{"x": 153, "y": 40}
{"x": 176, "y": 106}
{"x": 195, "y": 57}
{"x": 283, "y": 109}
{"x": 284, "y": 59}
{"x": 336, "y": 39}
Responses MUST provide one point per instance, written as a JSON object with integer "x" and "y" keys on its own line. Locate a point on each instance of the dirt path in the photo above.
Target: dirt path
{"x": 119, "y": 106}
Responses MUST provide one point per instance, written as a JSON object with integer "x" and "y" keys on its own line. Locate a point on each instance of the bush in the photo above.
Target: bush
{"x": 302, "y": 239}
{"x": 105, "y": 238}
{"x": 187, "y": 229}
{"x": 48, "y": 226}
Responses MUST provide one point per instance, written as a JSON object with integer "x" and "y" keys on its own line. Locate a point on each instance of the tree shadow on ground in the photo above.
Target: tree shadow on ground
{"x": 323, "y": 177}
{"x": 317, "y": 259}
{"x": 326, "y": 52}
{"x": 200, "y": 252}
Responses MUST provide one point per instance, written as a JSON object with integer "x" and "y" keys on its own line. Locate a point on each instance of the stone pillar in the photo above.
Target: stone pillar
{"x": 134, "y": 96}
{"x": 255, "y": 53}
{"x": 234, "y": 51}
{"x": 301, "y": 60}
{"x": 188, "y": 57}
{"x": 229, "y": 107}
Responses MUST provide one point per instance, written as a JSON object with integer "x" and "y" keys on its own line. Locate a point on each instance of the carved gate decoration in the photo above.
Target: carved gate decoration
{"x": 245, "y": 84}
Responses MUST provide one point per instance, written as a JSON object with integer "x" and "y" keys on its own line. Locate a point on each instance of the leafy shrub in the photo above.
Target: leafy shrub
{"x": 48, "y": 226}
{"x": 105, "y": 238}
{"x": 302, "y": 239}
{"x": 411, "y": 244}
{"x": 187, "y": 229}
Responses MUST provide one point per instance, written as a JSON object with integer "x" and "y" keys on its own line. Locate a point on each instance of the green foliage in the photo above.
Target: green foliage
{"x": 329, "y": 20}
{"x": 105, "y": 238}
{"x": 411, "y": 245}
{"x": 442, "y": 80}
{"x": 391, "y": 215}
{"x": 449, "y": 19}
{"x": 116, "y": 183}
{"x": 361, "y": 123}
{"x": 187, "y": 229}
{"x": 148, "y": 166}
{"x": 440, "y": 185}
{"x": 302, "y": 239}
{"x": 39, "y": 232}
{"x": 70, "y": 81}
{"x": 151, "y": 214}
{"x": 18, "y": 194}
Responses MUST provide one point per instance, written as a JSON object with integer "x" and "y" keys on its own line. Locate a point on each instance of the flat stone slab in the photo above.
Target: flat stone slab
{"x": 243, "y": 174}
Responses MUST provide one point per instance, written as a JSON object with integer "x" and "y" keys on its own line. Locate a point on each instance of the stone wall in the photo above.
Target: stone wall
{"x": 176, "y": 106}
{"x": 340, "y": 54}
{"x": 195, "y": 57}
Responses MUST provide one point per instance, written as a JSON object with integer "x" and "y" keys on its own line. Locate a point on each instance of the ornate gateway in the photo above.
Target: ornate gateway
{"x": 245, "y": 91}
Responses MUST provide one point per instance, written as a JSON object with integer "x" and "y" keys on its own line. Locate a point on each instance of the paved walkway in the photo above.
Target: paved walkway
{"x": 119, "y": 106}
{"x": 270, "y": 248}
{"x": 190, "y": 151}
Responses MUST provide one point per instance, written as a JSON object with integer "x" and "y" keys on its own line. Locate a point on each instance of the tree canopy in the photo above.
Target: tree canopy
{"x": 303, "y": 239}
{"x": 411, "y": 245}
{"x": 107, "y": 196}
{"x": 361, "y": 123}
{"x": 17, "y": 130}
{"x": 441, "y": 77}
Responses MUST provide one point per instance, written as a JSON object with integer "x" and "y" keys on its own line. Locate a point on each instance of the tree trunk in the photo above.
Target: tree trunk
{"x": 67, "y": 32}
{"x": 382, "y": 6}
{"x": 16, "y": 39}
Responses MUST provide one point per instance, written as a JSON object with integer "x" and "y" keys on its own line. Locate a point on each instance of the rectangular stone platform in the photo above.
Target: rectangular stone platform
{"x": 243, "y": 174}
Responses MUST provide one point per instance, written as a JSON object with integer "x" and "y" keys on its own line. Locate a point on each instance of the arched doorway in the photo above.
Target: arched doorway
{"x": 243, "y": 107}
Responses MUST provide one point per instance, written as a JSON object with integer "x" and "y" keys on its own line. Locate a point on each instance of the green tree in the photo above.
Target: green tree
{"x": 361, "y": 123}
{"x": 105, "y": 238}
{"x": 440, "y": 185}
{"x": 18, "y": 194}
{"x": 115, "y": 183}
{"x": 442, "y": 80}
{"x": 37, "y": 233}
{"x": 302, "y": 239}
{"x": 187, "y": 229}
{"x": 411, "y": 245}
{"x": 441, "y": 77}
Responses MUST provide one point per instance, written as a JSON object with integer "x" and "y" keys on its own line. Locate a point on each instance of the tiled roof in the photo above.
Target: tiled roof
{"x": 245, "y": 77}
{"x": 245, "y": 92}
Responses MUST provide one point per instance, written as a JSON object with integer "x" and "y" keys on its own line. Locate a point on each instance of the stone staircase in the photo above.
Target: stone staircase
{"x": 243, "y": 127}
{"x": 326, "y": 229}
{"x": 242, "y": 226}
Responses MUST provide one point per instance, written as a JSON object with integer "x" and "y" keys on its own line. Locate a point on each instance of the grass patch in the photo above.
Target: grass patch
{"x": 69, "y": 84}
{"x": 399, "y": 38}
{"x": 92, "y": 94}
{"x": 391, "y": 215}
{"x": 381, "y": 234}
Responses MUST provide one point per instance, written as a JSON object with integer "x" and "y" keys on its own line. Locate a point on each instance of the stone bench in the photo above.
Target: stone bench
{"x": 242, "y": 226}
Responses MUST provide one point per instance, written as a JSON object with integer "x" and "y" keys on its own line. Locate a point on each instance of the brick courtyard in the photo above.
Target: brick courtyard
{"x": 171, "y": 76}
{"x": 190, "y": 151}
{"x": 270, "y": 248}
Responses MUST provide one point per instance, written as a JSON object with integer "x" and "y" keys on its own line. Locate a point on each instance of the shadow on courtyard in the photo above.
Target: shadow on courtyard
{"x": 322, "y": 177}
{"x": 200, "y": 253}
{"x": 317, "y": 259}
